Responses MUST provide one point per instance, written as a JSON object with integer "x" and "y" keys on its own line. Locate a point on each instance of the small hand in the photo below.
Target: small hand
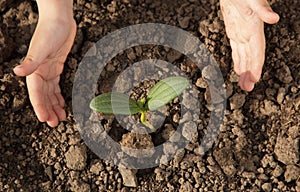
{"x": 244, "y": 22}
{"x": 49, "y": 47}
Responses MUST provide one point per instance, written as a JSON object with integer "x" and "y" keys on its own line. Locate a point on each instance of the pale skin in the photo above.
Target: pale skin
{"x": 55, "y": 33}
{"x": 244, "y": 23}
{"x": 43, "y": 64}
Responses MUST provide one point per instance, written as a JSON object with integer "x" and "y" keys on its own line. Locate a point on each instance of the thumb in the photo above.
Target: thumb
{"x": 26, "y": 67}
{"x": 264, "y": 11}
{"x": 38, "y": 51}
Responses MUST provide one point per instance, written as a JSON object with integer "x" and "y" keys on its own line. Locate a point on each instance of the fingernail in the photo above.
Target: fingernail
{"x": 19, "y": 67}
{"x": 18, "y": 70}
{"x": 15, "y": 69}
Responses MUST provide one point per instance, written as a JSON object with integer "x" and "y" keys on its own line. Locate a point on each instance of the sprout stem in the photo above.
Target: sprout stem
{"x": 145, "y": 122}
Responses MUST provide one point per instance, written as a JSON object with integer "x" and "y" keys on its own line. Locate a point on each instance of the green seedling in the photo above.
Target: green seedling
{"x": 161, "y": 94}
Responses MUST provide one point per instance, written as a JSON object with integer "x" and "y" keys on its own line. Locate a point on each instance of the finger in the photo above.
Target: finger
{"x": 37, "y": 97}
{"x": 52, "y": 121}
{"x": 250, "y": 86}
{"x": 56, "y": 106}
{"x": 60, "y": 112}
{"x": 252, "y": 59}
{"x": 264, "y": 11}
{"x": 245, "y": 82}
{"x": 242, "y": 81}
{"x": 61, "y": 100}
{"x": 27, "y": 66}
{"x": 235, "y": 57}
{"x": 244, "y": 58}
{"x": 57, "y": 101}
{"x": 257, "y": 48}
{"x": 39, "y": 50}
{"x": 58, "y": 95}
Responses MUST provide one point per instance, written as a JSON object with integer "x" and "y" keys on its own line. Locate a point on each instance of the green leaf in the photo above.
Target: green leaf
{"x": 165, "y": 91}
{"x": 114, "y": 103}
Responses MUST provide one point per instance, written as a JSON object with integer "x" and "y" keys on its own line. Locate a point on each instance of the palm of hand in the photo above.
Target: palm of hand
{"x": 44, "y": 92}
{"x": 245, "y": 29}
{"x": 247, "y": 42}
{"x": 43, "y": 65}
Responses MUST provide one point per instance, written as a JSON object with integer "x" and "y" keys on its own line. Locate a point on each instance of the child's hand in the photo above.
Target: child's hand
{"x": 244, "y": 21}
{"x": 49, "y": 47}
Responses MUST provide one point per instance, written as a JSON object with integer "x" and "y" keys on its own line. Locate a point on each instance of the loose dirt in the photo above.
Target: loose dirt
{"x": 257, "y": 148}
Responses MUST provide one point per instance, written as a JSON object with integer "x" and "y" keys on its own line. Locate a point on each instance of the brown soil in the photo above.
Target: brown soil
{"x": 258, "y": 145}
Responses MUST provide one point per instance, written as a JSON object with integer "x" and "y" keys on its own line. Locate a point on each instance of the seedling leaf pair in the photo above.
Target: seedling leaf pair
{"x": 161, "y": 94}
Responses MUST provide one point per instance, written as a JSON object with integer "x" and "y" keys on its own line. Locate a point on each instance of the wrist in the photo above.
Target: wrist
{"x": 58, "y": 10}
